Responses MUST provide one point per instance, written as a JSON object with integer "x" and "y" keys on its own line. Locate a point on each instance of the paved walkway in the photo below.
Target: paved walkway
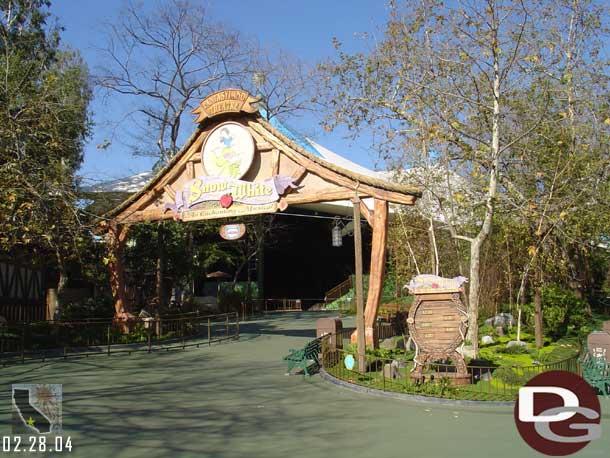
{"x": 233, "y": 400}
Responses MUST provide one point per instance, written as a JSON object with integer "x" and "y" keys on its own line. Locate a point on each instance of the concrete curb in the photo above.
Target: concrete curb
{"x": 411, "y": 397}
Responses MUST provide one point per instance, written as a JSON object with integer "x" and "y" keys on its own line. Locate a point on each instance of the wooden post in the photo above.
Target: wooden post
{"x": 378, "y": 255}
{"x": 237, "y": 325}
{"x": 116, "y": 238}
{"x": 360, "y": 329}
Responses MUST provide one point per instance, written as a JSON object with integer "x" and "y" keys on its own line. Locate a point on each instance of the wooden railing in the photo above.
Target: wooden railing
{"x": 339, "y": 290}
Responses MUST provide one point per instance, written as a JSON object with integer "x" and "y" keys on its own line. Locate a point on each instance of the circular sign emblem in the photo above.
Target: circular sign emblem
{"x": 232, "y": 231}
{"x": 558, "y": 413}
{"x": 349, "y": 362}
{"x": 228, "y": 151}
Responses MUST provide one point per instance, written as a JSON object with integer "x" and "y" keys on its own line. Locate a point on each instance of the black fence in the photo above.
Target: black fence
{"x": 484, "y": 382}
{"x": 21, "y": 342}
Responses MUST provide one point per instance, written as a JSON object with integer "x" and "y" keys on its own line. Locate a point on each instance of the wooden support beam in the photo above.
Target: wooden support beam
{"x": 368, "y": 214}
{"x": 378, "y": 254}
{"x": 190, "y": 170}
{"x": 320, "y": 196}
{"x": 115, "y": 240}
{"x": 275, "y": 162}
{"x": 360, "y": 321}
{"x": 155, "y": 214}
{"x": 264, "y": 146}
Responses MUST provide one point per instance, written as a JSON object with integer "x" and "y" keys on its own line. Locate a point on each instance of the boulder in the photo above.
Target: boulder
{"x": 513, "y": 343}
{"x": 388, "y": 344}
{"x": 400, "y": 363}
{"x": 499, "y": 331}
{"x": 487, "y": 340}
{"x": 501, "y": 319}
{"x": 391, "y": 371}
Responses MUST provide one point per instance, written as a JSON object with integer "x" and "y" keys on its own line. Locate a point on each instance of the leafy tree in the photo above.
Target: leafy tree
{"x": 44, "y": 95}
{"x": 437, "y": 89}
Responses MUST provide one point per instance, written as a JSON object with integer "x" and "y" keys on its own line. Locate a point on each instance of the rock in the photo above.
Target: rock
{"x": 400, "y": 363}
{"x": 486, "y": 340}
{"x": 499, "y": 331}
{"x": 388, "y": 344}
{"x": 400, "y": 343}
{"x": 467, "y": 351}
{"x": 501, "y": 319}
{"x": 513, "y": 343}
{"x": 391, "y": 371}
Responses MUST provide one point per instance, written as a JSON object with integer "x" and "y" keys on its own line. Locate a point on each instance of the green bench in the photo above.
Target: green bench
{"x": 301, "y": 358}
{"x": 596, "y": 372}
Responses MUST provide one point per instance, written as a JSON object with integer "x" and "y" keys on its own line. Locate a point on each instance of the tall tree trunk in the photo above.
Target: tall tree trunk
{"x": 538, "y": 329}
{"x": 473, "y": 296}
{"x": 434, "y": 248}
{"x": 63, "y": 280}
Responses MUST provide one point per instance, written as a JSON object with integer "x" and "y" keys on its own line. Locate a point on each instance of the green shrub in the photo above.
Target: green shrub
{"x": 486, "y": 330}
{"x": 512, "y": 376}
{"x": 87, "y": 308}
{"x": 514, "y": 350}
{"x": 563, "y": 313}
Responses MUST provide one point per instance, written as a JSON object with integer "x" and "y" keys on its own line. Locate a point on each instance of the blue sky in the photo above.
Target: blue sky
{"x": 304, "y": 29}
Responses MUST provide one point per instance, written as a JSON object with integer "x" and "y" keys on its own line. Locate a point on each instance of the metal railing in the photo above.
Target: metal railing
{"x": 483, "y": 383}
{"x": 21, "y": 342}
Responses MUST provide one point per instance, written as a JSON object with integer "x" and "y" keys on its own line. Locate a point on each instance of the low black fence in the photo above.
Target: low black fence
{"x": 484, "y": 382}
{"x": 21, "y": 342}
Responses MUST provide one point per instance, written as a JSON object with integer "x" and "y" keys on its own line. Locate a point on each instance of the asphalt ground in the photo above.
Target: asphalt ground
{"x": 233, "y": 400}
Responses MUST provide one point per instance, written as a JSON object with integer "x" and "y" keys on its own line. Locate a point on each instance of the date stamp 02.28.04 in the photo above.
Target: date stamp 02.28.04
{"x": 36, "y": 420}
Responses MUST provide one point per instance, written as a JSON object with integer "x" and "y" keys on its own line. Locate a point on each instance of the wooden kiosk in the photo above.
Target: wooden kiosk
{"x": 239, "y": 163}
{"x": 437, "y": 324}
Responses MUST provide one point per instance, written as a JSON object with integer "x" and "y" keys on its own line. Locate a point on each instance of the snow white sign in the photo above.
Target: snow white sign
{"x": 254, "y": 196}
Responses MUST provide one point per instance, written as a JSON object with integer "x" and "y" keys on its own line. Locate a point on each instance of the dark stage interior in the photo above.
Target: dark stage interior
{"x": 300, "y": 261}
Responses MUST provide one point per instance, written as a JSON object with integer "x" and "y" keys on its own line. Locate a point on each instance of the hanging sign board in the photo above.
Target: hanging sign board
{"x": 232, "y": 231}
{"x": 218, "y": 197}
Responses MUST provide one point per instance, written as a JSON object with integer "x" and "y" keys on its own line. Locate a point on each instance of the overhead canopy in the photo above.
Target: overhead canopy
{"x": 261, "y": 164}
